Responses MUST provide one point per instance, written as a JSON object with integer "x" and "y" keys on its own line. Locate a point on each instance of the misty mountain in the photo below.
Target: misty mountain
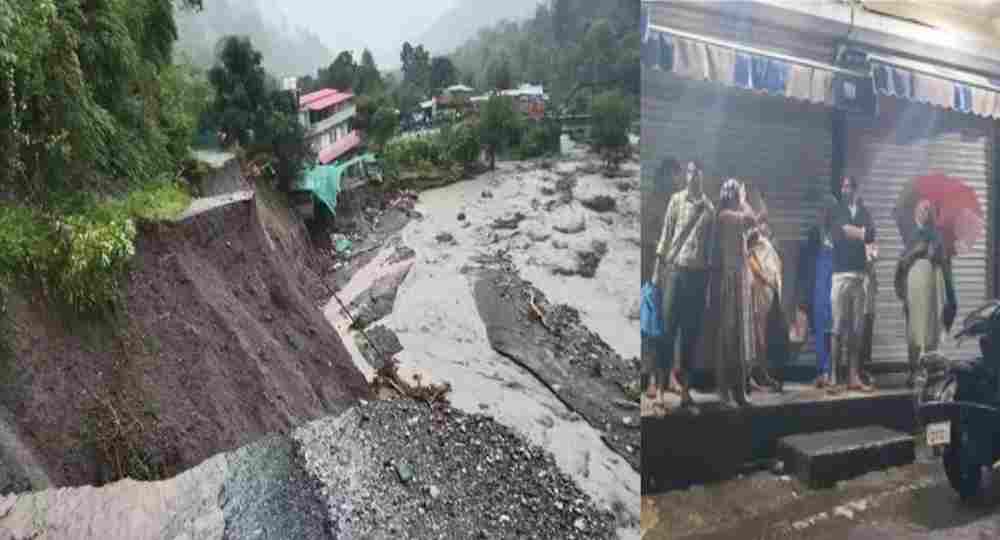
{"x": 462, "y": 23}
{"x": 287, "y": 50}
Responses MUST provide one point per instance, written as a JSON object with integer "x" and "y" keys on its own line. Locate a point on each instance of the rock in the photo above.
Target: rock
{"x": 580, "y": 524}
{"x": 560, "y": 244}
{"x": 509, "y": 221}
{"x": 565, "y": 269}
{"x": 599, "y": 203}
{"x": 547, "y": 191}
{"x": 537, "y": 233}
{"x": 461, "y": 216}
{"x": 624, "y": 187}
{"x": 566, "y": 184}
{"x": 405, "y": 472}
{"x": 387, "y": 343}
{"x": 293, "y": 341}
{"x": 445, "y": 238}
{"x": 378, "y": 301}
{"x": 487, "y": 194}
{"x": 570, "y": 223}
{"x": 843, "y": 511}
{"x": 588, "y": 261}
{"x": 433, "y": 491}
{"x": 778, "y": 467}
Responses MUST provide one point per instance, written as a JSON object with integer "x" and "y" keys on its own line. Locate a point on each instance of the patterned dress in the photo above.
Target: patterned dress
{"x": 731, "y": 290}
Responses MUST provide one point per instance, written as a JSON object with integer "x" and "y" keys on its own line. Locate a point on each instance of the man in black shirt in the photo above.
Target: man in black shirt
{"x": 852, "y": 230}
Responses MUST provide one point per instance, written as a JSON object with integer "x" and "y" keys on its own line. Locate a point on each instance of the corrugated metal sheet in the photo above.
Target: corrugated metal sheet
{"x": 783, "y": 146}
{"x": 906, "y": 141}
{"x": 706, "y": 19}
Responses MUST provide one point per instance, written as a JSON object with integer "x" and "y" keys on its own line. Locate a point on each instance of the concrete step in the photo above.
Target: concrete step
{"x": 821, "y": 459}
{"x": 680, "y": 449}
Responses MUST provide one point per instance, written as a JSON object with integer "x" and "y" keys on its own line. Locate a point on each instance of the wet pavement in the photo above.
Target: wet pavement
{"x": 912, "y": 502}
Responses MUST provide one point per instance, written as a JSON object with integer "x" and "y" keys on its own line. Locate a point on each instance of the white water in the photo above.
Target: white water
{"x": 444, "y": 339}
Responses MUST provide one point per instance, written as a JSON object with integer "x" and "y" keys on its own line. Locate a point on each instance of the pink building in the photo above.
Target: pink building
{"x": 326, "y": 115}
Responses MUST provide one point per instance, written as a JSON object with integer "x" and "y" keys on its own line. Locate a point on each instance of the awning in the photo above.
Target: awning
{"x": 701, "y": 58}
{"x": 941, "y": 87}
{"x": 704, "y": 58}
{"x": 340, "y": 147}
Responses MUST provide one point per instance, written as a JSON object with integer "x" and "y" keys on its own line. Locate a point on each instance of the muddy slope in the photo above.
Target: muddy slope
{"x": 217, "y": 346}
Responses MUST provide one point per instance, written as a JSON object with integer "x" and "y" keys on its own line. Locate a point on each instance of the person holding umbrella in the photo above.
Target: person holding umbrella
{"x": 924, "y": 284}
{"x": 938, "y": 217}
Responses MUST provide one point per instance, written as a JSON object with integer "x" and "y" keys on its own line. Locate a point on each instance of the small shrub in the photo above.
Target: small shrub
{"x": 78, "y": 251}
{"x": 611, "y": 119}
{"x": 541, "y": 139}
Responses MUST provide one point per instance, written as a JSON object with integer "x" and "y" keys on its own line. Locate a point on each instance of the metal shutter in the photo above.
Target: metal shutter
{"x": 781, "y": 145}
{"x": 908, "y": 140}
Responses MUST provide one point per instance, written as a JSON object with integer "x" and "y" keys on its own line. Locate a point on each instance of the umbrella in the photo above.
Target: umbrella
{"x": 959, "y": 215}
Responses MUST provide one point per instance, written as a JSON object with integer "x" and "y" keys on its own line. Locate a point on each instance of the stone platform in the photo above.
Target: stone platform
{"x": 679, "y": 449}
{"x": 821, "y": 459}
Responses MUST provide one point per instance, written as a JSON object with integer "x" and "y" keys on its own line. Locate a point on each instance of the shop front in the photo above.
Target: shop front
{"x": 763, "y": 101}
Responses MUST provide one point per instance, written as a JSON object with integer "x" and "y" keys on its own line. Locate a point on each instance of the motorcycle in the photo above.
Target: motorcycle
{"x": 958, "y": 405}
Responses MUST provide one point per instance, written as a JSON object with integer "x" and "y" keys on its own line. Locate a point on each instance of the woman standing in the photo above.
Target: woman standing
{"x": 924, "y": 284}
{"x": 732, "y": 292}
{"x": 815, "y": 283}
{"x": 764, "y": 264}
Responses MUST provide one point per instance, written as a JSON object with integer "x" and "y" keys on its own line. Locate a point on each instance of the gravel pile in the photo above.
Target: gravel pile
{"x": 400, "y": 469}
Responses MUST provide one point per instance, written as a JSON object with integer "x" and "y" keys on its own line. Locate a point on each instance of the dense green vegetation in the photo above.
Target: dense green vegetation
{"x": 611, "y": 119}
{"x": 574, "y": 45}
{"x": 96, "y": 120}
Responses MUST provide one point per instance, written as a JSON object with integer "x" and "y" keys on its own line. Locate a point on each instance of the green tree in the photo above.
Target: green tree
{"x": 80, "y": 97}
{"x": 384, "y": 125}
{"x": 562, "y": 21}
{"x": 500, "y": 76}
{"x": 342, "y": 73}
{"x": 408, "y": 98}
{"x": 416, "y": 66}
{"x": 497, "y": 126}
{"x": 443, "y": 73}
{"x": 610, "y": 121}
{"x": 279, "y": 131}
{"x": 369, "y": 79}
{"x": 240, "y": 88}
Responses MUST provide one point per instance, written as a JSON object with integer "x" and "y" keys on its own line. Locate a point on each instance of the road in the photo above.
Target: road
{"x": 911, "y": 503}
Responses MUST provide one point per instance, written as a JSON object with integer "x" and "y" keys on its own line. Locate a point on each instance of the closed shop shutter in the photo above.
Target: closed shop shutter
{"x": 781, "y": 145}
{"x": 906, "y": 141}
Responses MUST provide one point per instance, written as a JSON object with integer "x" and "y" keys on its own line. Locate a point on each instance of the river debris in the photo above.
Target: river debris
{"x": 388, "y": 377}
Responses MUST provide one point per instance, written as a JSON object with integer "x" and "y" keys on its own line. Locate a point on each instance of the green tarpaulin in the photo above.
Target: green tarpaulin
{"x": 323, "y": 181}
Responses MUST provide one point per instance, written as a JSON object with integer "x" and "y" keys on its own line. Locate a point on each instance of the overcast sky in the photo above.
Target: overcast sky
{"x": 381, "y": 25}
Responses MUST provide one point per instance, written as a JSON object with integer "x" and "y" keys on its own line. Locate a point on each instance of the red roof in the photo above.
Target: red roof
{"x": 321, "y": 99}
{"x": 337, "y": 149}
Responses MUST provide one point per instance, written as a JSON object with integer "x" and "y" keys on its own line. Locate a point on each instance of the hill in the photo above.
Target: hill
{"x": 287, "y": 51}
{"x": 463, "y": 22}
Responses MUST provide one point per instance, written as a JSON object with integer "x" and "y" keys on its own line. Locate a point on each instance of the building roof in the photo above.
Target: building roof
{"x": 338, "y": 148}
{"x": 525, "y": 90}
{"x": 321, "y": 99}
